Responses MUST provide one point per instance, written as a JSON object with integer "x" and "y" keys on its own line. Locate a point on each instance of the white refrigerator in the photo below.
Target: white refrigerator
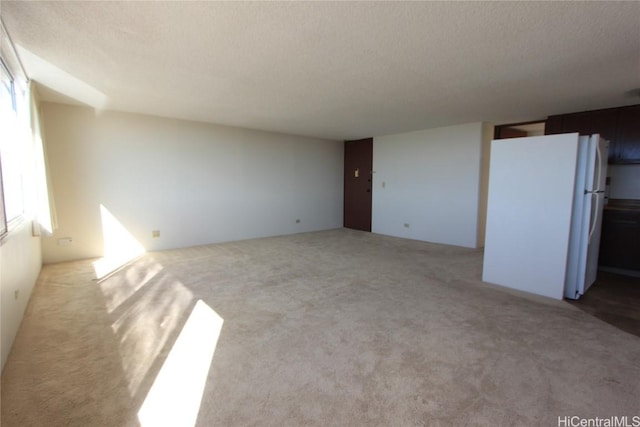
{"x": 544, "y": 213}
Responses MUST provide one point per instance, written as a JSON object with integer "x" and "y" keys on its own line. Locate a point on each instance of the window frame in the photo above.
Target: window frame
{"x": 4, "y": 225}
{"x": 7, "y": 225}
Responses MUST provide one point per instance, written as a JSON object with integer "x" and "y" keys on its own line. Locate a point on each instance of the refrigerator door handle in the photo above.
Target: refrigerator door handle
{"x": 595, "y": 216}
{"x": 599, "y": 167}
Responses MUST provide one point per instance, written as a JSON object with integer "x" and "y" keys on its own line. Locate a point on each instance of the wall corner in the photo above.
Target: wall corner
{"x": 485, "y": 160}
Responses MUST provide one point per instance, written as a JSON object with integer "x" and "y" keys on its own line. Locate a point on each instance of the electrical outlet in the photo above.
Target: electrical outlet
{"x": 155, "y": 234}
{"x": 16, "y": 294}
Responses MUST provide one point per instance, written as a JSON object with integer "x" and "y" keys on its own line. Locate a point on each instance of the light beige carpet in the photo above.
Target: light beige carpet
{"x": 336, "y": 328}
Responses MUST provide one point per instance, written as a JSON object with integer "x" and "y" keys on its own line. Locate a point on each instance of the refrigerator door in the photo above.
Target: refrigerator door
{"x": 593, "y": 248}
{"x": 578, "y": 233}
{"x": 593, "y": 211}
{"x": 529, "y": 213}
{"x": 584, "y": 245}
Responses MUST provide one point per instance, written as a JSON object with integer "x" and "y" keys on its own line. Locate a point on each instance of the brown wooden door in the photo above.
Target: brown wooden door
{"x": 358, "y": 162}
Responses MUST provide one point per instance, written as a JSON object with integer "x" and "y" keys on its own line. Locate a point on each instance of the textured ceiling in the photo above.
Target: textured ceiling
{"x": 340, "y": 70}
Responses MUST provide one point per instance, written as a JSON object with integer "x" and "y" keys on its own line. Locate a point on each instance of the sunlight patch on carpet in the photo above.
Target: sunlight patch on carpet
{"x": 148, "y": 323}
{"x": 175, "y": 396}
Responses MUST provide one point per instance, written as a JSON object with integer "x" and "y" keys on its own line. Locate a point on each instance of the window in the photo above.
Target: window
{"x": 23, "y": 185}
{"x": 7, "y": 111}
{"x": 14, "y": 139}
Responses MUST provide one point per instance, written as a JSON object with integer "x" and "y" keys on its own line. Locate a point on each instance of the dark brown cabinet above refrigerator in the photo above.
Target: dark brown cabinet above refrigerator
{"x": 621, "y": 126}
{"x": 628, "y": 136}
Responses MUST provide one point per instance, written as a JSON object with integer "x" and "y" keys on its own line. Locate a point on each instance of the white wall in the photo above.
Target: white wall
{"x": 197, "y": 183}
{"x": 430, "y": 180}
{"x": 625, "y": 181}
{"x": 487, "y": 137}
{"x": 20, "y": 263}
{"x": 20, "y": 253}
